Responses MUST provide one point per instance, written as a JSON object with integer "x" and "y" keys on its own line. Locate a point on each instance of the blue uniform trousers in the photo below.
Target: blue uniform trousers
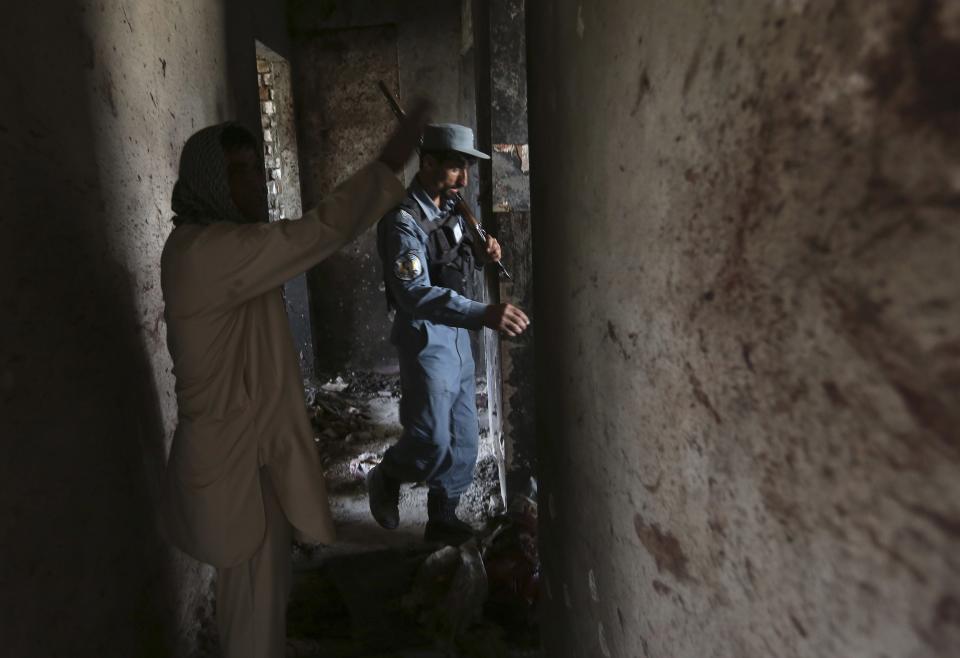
{"x": 438, "y": 409}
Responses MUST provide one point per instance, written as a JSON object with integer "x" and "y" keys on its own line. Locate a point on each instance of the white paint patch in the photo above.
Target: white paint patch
{"x": 580, "y": 25}
{"x": 566, "y": 597}
{"x": 602, "y": 638}
{"x": 594, "y": 594}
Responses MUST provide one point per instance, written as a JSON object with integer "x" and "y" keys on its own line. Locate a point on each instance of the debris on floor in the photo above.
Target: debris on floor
{"x": 355, "y": 417}
{"x": 368, "y": 597}
{"x": 449, "y": 603}
{"x": 361, "y": 466}
{"x": 449, "y": 592}
{"x": 354, "y": 421}
{"x": 477, "y": 599}
{"x": 512, "y": 561}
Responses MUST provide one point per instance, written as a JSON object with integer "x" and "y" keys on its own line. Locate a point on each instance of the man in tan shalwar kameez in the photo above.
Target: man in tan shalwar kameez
{"x": 243, "y": 469}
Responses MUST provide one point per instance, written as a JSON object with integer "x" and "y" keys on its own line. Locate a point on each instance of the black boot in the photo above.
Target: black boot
{"x": 384, "y": 493}
{"x": 443, "y": 526}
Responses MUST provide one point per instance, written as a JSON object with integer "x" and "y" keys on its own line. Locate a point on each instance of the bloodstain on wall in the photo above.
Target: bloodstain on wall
{"x": 663, "y": 547}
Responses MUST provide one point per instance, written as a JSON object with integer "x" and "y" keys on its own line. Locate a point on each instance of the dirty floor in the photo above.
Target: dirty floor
{"x": 350, "y": 600}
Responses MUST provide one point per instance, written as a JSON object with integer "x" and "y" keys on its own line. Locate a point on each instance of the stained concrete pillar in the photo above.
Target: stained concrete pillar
{"x": 502, "y": 122}
{"x": 746, "y": 258}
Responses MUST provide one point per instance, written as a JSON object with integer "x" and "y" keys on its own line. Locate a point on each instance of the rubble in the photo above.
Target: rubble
{"x": 476, "y": 500}
{"x": 512, "y": 559}
{"x": 355, "y": 417}
{"x": 474, "y": 601}
{"x": 363, "y": 464}
{"x": 335, "y": 386}
{"x": 449, "y": 592}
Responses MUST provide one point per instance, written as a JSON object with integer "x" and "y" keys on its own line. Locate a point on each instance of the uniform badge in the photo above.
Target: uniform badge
{"x": 408, "y": 267}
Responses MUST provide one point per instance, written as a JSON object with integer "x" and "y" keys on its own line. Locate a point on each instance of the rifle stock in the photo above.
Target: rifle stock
{"x": 394, "y": 105}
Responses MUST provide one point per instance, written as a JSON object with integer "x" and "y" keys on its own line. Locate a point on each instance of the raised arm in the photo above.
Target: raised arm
{"x": 213, "y": 267}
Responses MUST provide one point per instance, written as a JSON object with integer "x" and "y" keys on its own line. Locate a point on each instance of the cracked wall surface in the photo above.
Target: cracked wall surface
{"x": 747, "y": 307}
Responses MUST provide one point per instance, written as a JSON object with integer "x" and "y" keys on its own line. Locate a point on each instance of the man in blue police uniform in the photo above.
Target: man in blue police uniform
{"x": 428, "y": 259}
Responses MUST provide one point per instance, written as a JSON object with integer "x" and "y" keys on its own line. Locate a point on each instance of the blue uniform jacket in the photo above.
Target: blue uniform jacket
{"x": 403, "y": 251}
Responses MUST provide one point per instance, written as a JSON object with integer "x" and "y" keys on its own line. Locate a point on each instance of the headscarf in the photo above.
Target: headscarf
{"x": 202, "y": 192}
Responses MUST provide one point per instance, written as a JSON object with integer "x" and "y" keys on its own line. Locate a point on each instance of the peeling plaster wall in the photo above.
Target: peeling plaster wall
{"x": 746, "y": 288}
{"x": 99, "y": 98}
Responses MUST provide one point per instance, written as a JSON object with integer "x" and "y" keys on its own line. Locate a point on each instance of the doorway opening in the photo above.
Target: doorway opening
{"x": 342, "y": 119}
{"x": 281, "y": 162}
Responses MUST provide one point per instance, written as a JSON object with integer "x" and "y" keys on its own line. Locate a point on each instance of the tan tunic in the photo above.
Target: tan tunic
{"x": 239, "y": 388}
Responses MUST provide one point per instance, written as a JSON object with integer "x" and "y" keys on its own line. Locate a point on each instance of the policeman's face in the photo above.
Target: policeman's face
{"x": 248, "y": 183}
{"x": 446, "y": 175}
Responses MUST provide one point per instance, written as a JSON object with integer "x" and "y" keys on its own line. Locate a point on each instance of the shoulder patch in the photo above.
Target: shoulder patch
{"x": 408, "y": 267}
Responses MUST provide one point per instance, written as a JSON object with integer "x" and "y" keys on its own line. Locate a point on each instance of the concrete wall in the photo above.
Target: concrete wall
{"x": 98, "y": 100}
{"x": 341, "y": 50}
{"x": 344, "y": 121}
{"x": 746, "y": 221}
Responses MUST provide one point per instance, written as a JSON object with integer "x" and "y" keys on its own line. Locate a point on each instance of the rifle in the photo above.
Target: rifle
{"x": 480, "y": 235}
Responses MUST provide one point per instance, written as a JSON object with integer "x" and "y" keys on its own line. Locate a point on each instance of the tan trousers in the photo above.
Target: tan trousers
{"x": 252, "y": 597}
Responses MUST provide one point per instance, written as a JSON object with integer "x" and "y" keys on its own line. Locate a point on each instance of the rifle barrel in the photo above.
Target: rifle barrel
{"x": 466, "y": 212}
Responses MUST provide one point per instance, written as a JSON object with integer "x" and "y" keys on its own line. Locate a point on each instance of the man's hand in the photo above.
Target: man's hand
{"x": 406, "y": 138}
{"x": 493, "y": 249}
{"x": 506, "y": 318}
